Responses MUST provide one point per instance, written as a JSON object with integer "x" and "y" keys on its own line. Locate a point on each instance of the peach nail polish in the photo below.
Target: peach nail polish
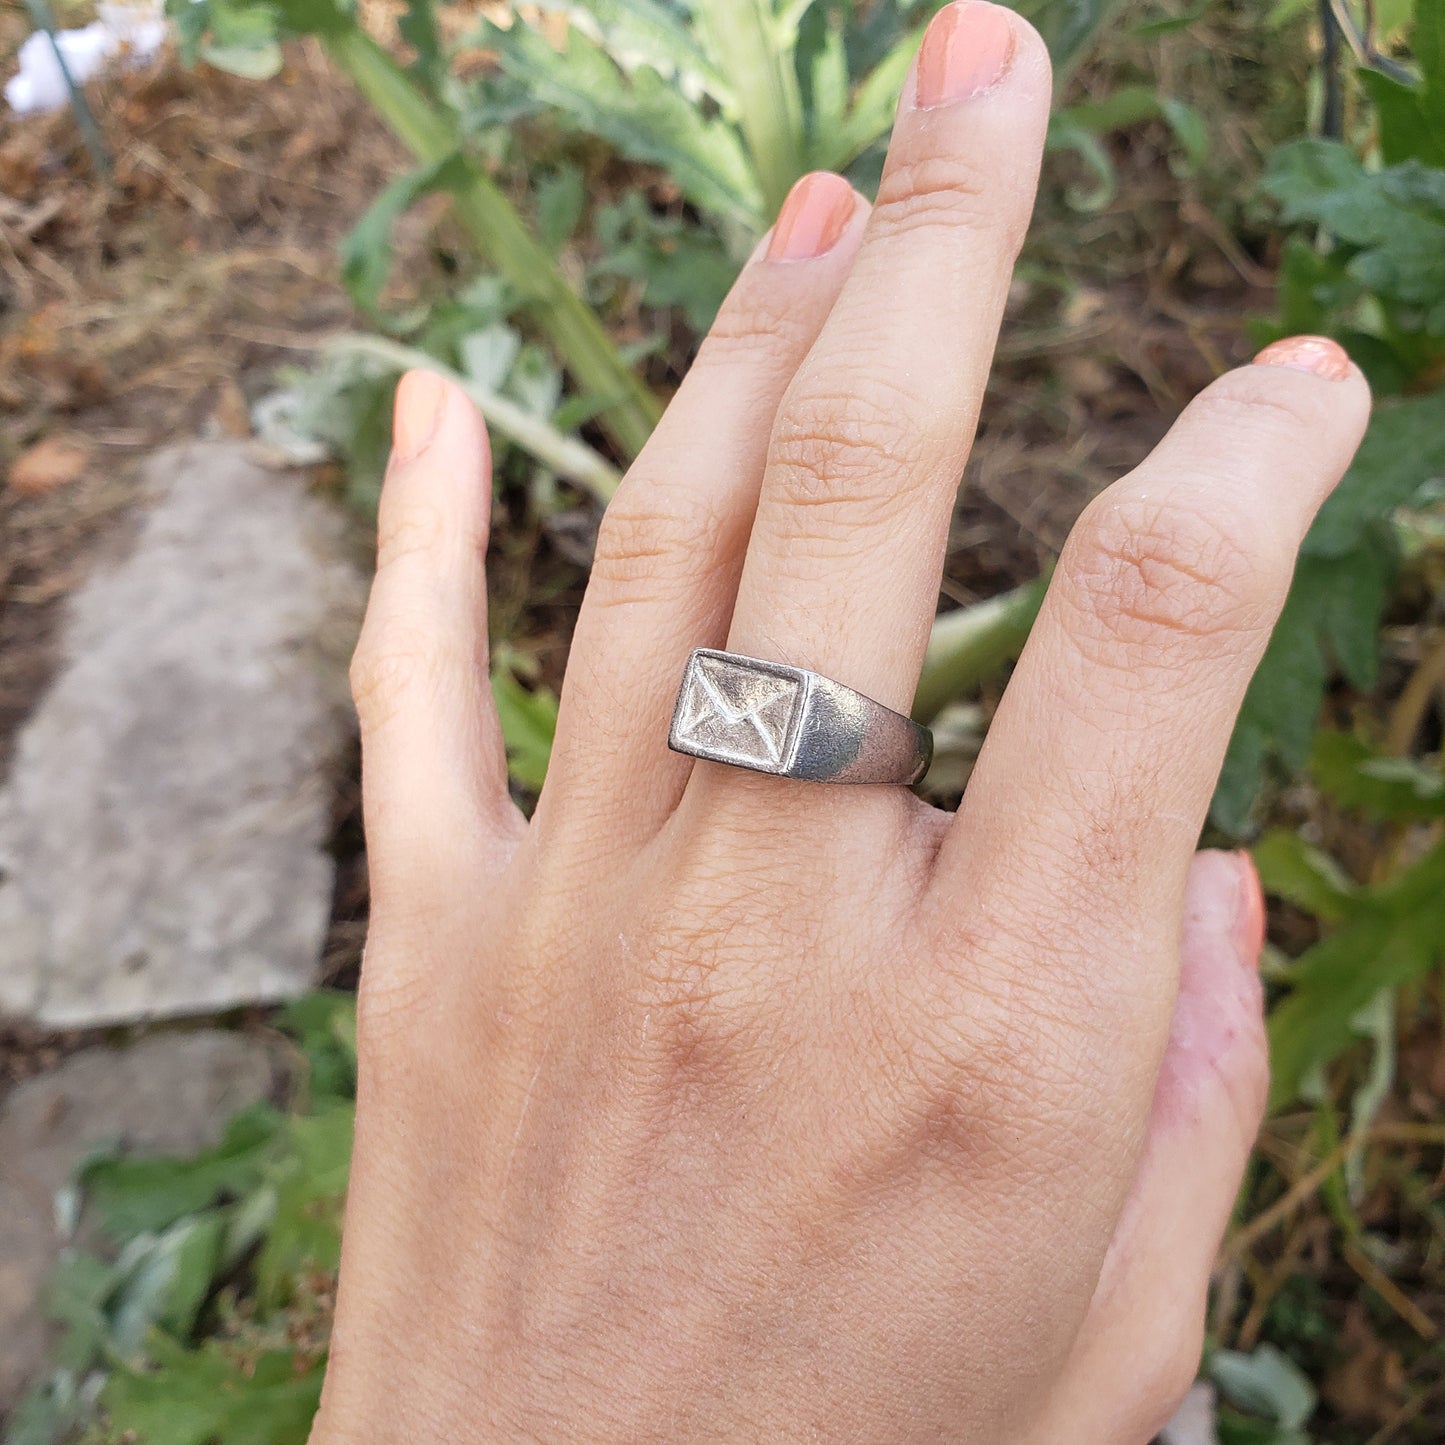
{"x": 1317, "y": 354}
{"x": 420, "y": 396}
{"x": 813, "y": 217}
{"x": 966, "y": 50}
{"x": 1249, "y": 912}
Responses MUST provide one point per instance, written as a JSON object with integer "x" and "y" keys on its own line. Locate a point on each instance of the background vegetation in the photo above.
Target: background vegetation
{"x": 603, "y": 168}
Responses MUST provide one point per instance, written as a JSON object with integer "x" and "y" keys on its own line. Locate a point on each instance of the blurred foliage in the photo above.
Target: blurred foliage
{"x": 1365, "y": 265}
{"x": 209, "y": 1322}
{"x": 207, "y": 1318}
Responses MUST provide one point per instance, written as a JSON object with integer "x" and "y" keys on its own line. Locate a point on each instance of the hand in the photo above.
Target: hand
{"x": 715, "y": 1106}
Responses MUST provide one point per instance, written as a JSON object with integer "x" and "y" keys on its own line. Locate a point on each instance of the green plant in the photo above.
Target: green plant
{"x": 1367, "y": 266}
{"x": 211, "y": 1322}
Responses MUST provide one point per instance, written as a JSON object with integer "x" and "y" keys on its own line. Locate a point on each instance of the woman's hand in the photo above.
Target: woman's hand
{"x": 717, "y": 1106}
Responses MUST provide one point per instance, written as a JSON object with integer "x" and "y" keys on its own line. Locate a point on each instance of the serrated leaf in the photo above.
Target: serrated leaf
{"x": 1336, "y": 603}
{"x": 1393, "y": 935}
{"x": 639, "y": 112}
{"x": 1394, "y": 218}
{"x": 648, "y": 32}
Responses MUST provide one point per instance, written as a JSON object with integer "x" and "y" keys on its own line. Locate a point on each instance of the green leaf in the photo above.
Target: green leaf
{"x": 76, "y": 1298}
{"x": 874, "y": 104}
{"x": 1336, "y": 603}
{"x": 1394, "y": 934}
{"x": 561, "y": 197}
{"x": 1412, "y": 117}
{"x": 1265, "y": 1382}
{"x": 648, "y": 32}
{"x": 529, "y": 723}
{"x": 1079, "y": 128}
{"x": 1304, "y": 875}
{"x": 676, "y": 263}
{"x": 310, "y": 1185}
{"x": 1069, "y": 27}
{"x": 325, "y": 1026}
{"x": 139, "y": 1196}
{"x": 257, "y": 61}
{"x": 1393, "y": 219}
{"x": 1354, "y": 775}
{"x": 417, "y": 25}
{"x": 1402, "y": 455}
{"x": 167, "y": 1278}
{"x": 366, "y": 249}
{"x": 639, "y": 112}
{"x": 204, "y": 1397}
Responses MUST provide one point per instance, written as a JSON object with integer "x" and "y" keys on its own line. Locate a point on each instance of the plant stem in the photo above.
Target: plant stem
{"x": 565, "y": 455}
{"x": 743, "y": 37}
{"x": 968, "y": 645}
{"x": 501, "y": 235}
{"x": 43, "y": 19}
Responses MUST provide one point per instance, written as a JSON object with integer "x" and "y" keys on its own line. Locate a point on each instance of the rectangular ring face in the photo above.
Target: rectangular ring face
{"x": 738, "y": 711}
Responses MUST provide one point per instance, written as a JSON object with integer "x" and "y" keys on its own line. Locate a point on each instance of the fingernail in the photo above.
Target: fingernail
{"x": 966, "y": 50}
{"x": 420, "y": 396}
{"x": 813, "y": 217}
{"x": 1248, "y": 912}
{"x": 1317, "y": 354}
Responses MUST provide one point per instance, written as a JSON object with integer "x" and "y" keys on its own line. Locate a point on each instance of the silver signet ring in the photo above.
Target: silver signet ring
{"x": 791, "y": 722}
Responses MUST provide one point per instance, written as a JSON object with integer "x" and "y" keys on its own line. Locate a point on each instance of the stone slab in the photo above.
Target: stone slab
{"x": 164, "y": 828}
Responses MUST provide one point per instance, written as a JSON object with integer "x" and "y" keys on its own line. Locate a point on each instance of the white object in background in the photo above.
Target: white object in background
{"x": 135, "y": 30}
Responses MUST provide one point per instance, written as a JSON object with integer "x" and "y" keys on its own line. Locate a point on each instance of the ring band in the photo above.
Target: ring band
{"x": 793, "y": 723}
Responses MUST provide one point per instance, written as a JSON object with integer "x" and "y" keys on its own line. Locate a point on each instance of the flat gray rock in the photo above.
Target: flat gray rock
{"x": 172, "y": 1093}
{"x": 164, "y": 828}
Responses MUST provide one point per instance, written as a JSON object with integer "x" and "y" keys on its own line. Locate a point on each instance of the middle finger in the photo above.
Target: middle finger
{"x": 843, "y": 564}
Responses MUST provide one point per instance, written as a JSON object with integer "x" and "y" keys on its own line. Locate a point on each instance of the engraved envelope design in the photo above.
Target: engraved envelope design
{"x": 742, "y": 712}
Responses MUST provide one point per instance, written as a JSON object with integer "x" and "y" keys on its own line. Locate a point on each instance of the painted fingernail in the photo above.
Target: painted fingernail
{"x": 420, "y": 396}
{"x": 967, "y": 49}
{"x": 1248, "y": 912}
{"x": 1317, "y": 354}
{"x": 813, "y": 217}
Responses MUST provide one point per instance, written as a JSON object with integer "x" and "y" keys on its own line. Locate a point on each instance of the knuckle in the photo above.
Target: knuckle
{"x": 850, "y": 447}
{"x": 753, "y": 321}
{"x": 652, "y": 539}
{"x": 943, "y": 191}
{"x": 1136, "y": 568}
{"x": 392, "y": 662}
